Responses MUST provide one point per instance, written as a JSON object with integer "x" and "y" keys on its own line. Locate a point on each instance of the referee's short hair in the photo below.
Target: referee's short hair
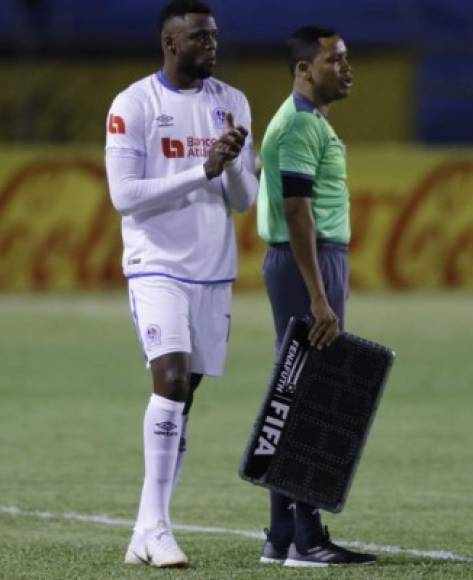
{"x": 180, "y": 8}
{"x": 303, "y": 44}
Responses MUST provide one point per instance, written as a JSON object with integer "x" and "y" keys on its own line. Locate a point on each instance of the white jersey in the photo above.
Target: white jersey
{"x": 187, "y": 233}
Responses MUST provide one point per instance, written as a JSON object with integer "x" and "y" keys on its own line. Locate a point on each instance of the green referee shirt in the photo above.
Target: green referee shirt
{"x": 300, "y": 142}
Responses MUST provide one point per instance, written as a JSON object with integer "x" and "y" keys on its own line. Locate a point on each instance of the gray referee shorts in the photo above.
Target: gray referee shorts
{"x": 287, "y": 291}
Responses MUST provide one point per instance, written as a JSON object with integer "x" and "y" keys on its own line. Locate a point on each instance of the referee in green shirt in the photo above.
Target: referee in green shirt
{"x": 303, "y": 214}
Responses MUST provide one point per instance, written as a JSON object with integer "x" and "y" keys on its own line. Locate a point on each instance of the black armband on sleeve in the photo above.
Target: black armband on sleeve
{"x": 294, "y": 185}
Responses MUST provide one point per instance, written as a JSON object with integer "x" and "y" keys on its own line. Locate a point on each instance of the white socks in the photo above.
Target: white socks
{"x": 181, "y": 453}
{"x": 162, "y": 428}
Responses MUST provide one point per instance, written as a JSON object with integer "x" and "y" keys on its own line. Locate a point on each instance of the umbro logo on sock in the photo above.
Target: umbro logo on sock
{"x": 166, "y": 428}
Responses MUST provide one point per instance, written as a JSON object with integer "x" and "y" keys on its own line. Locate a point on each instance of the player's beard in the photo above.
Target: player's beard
{"x": 196, "y": 69}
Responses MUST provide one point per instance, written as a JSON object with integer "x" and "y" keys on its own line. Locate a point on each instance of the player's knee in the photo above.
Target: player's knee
{"x": 174, "y": 385}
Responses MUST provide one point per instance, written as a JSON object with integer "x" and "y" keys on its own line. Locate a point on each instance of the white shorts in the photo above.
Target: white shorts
{"x": 172, "y": 316}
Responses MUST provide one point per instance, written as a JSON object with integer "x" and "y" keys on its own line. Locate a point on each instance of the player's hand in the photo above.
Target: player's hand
{"x": 225, "y": 149}
{"x": 325, "y": 328}
{"x": 218, "y": 156}
{"x": 237, "y": 135}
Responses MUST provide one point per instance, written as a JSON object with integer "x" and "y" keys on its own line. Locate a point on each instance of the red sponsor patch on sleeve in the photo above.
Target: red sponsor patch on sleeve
{"x": 116, "y": 124}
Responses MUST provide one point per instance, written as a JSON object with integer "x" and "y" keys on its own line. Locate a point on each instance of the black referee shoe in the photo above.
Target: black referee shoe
{"x": 273, "y": 554}
{"x": 325, "y": 554}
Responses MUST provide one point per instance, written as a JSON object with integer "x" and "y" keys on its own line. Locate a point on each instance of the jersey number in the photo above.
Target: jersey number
{"x": 172, "y": 148}
{"x": 116, "y": 124}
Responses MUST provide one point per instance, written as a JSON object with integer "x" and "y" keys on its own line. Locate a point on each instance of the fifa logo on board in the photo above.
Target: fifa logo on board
{"x": 272, "y": 428}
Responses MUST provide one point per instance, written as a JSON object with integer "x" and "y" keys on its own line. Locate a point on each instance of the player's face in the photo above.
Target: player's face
{"x": 331, "y": 74}
{"x": 195, "y": 42}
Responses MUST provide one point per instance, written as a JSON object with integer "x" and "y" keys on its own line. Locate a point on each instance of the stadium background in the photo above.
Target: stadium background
{"x": 408, "y": 125}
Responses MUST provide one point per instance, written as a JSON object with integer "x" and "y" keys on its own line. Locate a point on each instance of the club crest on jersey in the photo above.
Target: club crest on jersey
{"x": 153, "y": 335}
{"x": 165, "y": 120}
{"x": 219, "y": 116}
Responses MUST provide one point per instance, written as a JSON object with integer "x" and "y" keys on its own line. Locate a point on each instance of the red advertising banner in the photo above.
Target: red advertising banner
{"x": 412, "y": 221}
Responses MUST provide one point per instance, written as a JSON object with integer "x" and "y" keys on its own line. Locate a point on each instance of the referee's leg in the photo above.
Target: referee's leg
{"x": 289, "y": 297}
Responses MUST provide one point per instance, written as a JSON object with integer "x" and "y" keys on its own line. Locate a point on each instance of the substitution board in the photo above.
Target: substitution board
{"x": 309, "y": 435}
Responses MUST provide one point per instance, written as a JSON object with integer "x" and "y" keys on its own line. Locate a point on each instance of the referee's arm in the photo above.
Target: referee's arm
{"x": 297, "y": 194}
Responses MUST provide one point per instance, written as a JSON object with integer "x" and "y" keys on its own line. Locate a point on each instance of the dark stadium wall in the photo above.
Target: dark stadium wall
{"x": 262, "y": 22}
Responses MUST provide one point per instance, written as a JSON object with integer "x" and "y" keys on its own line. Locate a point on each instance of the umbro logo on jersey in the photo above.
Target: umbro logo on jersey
{"x": 166, "y": 428}
{"x": 165, "y": 120}
{"x": 116, "y": 124}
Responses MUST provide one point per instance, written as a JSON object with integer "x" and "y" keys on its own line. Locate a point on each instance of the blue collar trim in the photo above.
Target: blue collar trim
{"x": 162, "y": 78}
{"x": 302, "y": 103}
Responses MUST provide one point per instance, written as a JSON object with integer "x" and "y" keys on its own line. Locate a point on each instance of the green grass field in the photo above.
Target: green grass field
{"x": 72, "y": 394}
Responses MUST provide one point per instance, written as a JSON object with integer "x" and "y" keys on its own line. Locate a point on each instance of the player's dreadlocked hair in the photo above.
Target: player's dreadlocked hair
{"x": 180, "y": 8}
{"x": 303, "y": 44}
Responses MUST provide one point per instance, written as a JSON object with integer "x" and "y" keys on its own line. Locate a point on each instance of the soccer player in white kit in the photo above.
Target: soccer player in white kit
{"x": 177, "y": 166}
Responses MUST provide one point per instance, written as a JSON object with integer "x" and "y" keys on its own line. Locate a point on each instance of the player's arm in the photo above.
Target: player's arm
{"x": 125, "y": 161}
{"x": 240, "y": 181}
{"x": 132, "y": 193}
{"x": 239, "y": 176}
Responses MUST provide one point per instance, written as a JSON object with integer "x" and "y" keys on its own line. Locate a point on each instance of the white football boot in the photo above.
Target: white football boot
{"x": 157, "y": 548}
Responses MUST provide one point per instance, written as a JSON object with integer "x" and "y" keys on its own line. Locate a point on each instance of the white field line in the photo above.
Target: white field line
{"x": 109, "y": 521}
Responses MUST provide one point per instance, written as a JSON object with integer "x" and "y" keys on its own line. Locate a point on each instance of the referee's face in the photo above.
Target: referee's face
{"x": 195, "y": 44}
{"x": 331, "y": 74}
